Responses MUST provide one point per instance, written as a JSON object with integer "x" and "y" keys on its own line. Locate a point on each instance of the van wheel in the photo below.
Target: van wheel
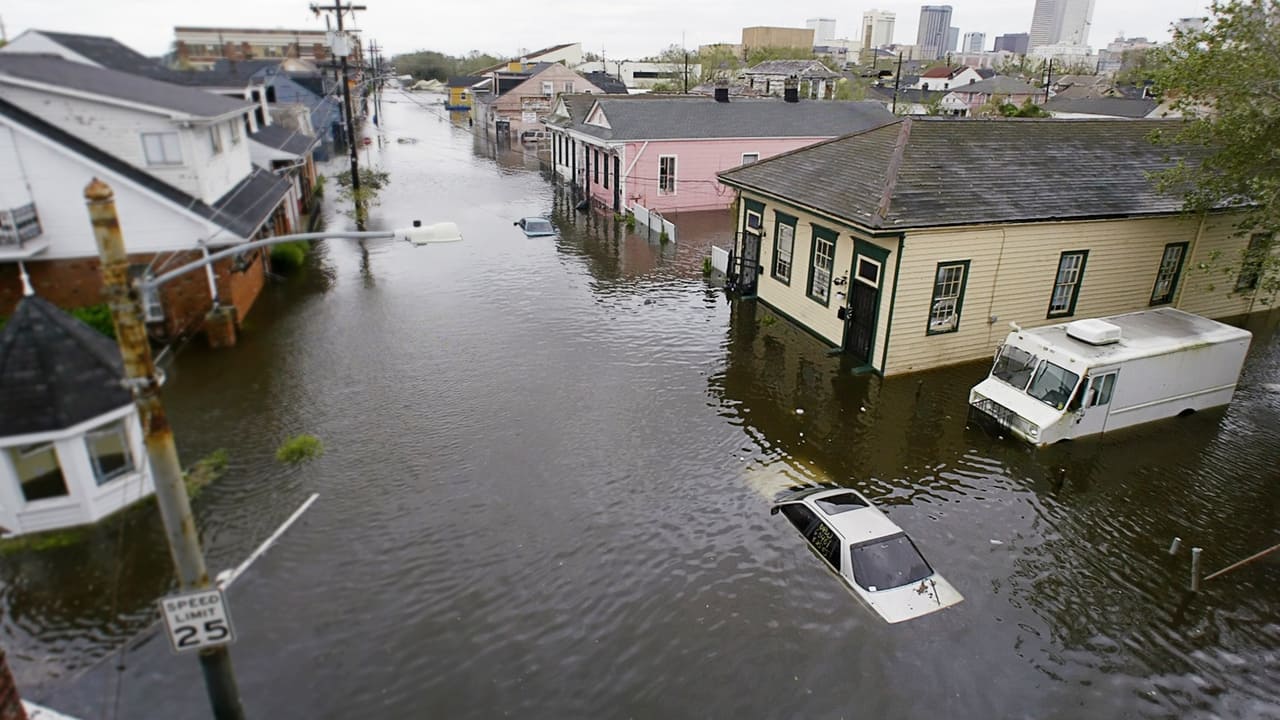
{"x": 1187, "y": 412}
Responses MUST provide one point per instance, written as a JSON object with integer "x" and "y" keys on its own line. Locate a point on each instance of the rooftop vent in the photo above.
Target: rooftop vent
{"x": 1094, "y": 332}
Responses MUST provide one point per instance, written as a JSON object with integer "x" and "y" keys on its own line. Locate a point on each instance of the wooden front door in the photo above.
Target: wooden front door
{"x": 863, "y": 307}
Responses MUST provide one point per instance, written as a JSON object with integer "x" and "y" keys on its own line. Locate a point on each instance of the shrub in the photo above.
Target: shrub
{"x": 97, "y": 317}
{"x": 288, "y": 257}
{"x": 299, "y": 449}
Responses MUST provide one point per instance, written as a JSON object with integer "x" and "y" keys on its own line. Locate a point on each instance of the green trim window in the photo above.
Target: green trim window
{"x": 1066, "y": 284}
{"x": 948, "y": 297}
{"x": 1252, "y": 262}
{"x": 784, "y": 245}
{"x": 1168, "y": 273}
{"x": 822, "y": 259}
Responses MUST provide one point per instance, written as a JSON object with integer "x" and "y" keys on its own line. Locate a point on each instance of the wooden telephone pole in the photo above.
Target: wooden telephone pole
{"x": 340, "y": 10}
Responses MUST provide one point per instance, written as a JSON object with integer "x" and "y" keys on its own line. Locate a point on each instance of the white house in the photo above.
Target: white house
{"x": 71, "y": 446}
{"x": 949, "y": 78}
{"x": 179, "y": 161}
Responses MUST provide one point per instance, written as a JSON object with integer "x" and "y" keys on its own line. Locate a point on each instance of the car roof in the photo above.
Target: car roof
{"x": 855, "y": 526}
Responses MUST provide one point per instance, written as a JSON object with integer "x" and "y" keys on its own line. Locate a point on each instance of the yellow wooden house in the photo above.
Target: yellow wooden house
{"x": 914, "y": 245}
{"x": 460, "y": 92}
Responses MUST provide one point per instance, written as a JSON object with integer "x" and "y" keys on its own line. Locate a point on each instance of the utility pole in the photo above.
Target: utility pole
{"x": 339, "y": 10}
{"x": 897, "y": 81}
{"x": 1048, "y": 82}
{"x": 162, "y": 456}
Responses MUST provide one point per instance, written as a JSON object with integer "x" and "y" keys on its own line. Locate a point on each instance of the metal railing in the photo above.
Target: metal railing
{"x": 19, "y": 225}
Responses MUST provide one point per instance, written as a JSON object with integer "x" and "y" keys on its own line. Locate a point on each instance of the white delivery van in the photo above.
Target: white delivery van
{"x": 1090, "y": 376}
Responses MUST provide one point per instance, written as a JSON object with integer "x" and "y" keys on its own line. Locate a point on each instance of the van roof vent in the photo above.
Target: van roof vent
{"x": 1094, "y": 332}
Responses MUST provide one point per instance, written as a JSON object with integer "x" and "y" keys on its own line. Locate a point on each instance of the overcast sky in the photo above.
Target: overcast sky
{"x": 622, "y": 28}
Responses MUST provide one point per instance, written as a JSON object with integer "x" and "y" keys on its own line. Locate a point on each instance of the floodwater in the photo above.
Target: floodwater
{"x": 545, "y": 494}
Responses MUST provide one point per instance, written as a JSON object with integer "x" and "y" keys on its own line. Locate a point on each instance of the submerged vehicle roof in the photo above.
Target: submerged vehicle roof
{"x": 1142, "y": 334}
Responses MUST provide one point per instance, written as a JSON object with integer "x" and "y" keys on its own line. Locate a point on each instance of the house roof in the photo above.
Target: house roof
{"x": 531, "y": 56}
{"x": 921, "y": 172}
{"x": 108, "y": 83}
{"x": 241, "y": 211}
{"x": 803, "y": 68}
{"x": 282, "y": 138}
{"x": 107, "y": 52}
{"x": 55, "y": 371}
{"x": 463, "y": 81}
{"x": 943, "y": 71}
{"x": 1107, "y": 106}
{"x": 223, "y": 74}
{"x": 606, "y": 82}
{"x": 649, "y": 117}
{"x": 998, "y": 85}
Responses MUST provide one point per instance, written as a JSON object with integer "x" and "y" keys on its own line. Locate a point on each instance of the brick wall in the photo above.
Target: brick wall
{"x": 10, "y": 703}
{"x": 77, "y": 283}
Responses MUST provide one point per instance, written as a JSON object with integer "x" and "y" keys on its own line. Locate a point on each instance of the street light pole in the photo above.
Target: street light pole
{"x": 171, "y": 494}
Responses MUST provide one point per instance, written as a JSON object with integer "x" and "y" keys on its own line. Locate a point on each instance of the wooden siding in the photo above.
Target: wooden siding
{"x": 793, "y": 299}
{"x": 1011, "y": 277}
{"x": 1207, "y": 283}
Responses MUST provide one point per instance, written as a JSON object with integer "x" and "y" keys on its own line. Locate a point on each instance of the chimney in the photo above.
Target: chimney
{"x": 791, "y": 89}
{"x": 722, "y": 91}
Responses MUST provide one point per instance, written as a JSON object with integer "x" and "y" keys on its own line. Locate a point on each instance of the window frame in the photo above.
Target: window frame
{"x": 781, "y": 220}
{"x": 23, "y": 451}
{"x": 959, "y": 298}
{"x": 164, "y": 159}
{"x": 1176, "y": 276}
{"x": 568, "y": 86}
{"x": 1252, "y": 260}
{"x": 119, "y": 427}
{"x": 671, "y": 175}
{"x": 606, "y": 170}
{"x": 595, "y": 159}
{"x": 826, "y": 235}
{"x": 754, "y": 155}
{"x": 548, "y": 88}
{"x": 1075, "y": 290}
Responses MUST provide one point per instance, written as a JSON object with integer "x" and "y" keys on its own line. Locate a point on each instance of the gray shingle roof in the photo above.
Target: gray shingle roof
{"x": 999, "y": 85}
{"x": 104, "y": 82}
{"x": 1109, "y": 106}
{"x": 921, "y": 172}
{"x": 642, "y": 117}
{"x": 107, "y": 52}
{"x": 282, "y": 138}
{"x": 55, "y": 371}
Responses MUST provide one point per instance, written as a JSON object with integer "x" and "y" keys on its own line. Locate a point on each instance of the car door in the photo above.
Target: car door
{"x": 818, "y": 533}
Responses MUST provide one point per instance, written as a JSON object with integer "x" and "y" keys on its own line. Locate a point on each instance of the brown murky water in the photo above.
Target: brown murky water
{"x": 545, "y": 494}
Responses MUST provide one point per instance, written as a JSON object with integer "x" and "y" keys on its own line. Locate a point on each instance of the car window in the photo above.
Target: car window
{"x": 823, "y": 539}
{"x": 836, "y": 504}
{"x": 800, "y": 516}
{"x": 538, "y": 226}
{"x": 888, "y": 563}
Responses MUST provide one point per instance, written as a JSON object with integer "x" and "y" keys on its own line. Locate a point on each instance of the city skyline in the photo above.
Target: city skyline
{"x": 626, "y": 29}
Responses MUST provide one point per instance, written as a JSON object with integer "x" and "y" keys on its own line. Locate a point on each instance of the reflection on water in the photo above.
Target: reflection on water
{"x": 545, "y": 494}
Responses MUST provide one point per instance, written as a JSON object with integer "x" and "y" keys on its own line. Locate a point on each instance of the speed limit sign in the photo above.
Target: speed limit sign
{"x": 197, "y": 620}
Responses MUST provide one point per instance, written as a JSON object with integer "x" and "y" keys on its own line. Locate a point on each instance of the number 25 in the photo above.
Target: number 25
{"x": 216, "y": 630}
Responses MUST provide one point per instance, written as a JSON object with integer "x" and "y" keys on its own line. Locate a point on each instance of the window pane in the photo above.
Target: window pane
{"x": 38, "y": 472}
{"x": 1066, "y": 282}
{"x": 1252, "y": 262}
{"x": 748, "y": 158}
{"x": 109, "y": 452}
{"x": 944, "y": 311}
{"x": 823, "y": 260}
{"x": 836, "y": 504}
{"x": 889, "y": 563}
{"x": 1014, "y": 366}
{"x": 215, "y": 140}
{"x": 1170, "y": 265}
{"x": 869, "y": 271}
{"x": 786, "y": 244}
{"x": 823, "y": 539}
{"x": 1102, "y": 387}
{"x": 1052, "y": 385}
{"x": 800, "y": 516}
{"x": 172, "y": 148}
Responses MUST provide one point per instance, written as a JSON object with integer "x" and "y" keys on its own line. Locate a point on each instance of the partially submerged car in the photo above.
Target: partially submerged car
{"x": 871, "y": 554}
{"x": 535, "y": 226}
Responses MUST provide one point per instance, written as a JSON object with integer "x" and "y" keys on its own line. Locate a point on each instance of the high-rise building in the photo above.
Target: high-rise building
{"x": 877, "y": 29}
{"x": 932, "y": 32}
{"x": 974, "y": 42}
{"x": 953, "y": 39}
{"x": 1016, "y": 43}
{"x": 1055, "y": 22}
{"x": 824, "y": 30}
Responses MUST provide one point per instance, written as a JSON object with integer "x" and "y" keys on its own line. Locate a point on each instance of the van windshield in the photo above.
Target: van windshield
{"x": 1053, "y": 385}
{"x": 1014, "y": 366}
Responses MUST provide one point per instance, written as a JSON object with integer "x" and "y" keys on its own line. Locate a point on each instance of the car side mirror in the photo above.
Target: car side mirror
{"x": 516, "y": 223}
{"x": 773, "y": 510}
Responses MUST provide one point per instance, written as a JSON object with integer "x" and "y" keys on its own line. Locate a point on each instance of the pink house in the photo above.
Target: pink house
{"x": 662, "y": 152}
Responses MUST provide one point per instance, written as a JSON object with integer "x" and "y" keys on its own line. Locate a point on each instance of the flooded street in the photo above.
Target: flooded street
{"x": 545, "y": 492}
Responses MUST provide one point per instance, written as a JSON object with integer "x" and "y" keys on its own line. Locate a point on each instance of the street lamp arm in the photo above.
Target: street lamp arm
{"x": 418, "y": 235}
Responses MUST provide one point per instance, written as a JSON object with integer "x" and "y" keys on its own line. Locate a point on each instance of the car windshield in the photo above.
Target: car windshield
{"x": 1053, "y": 385}
{"x": 537, "y": 226}
{"x": 888, "y": 563}
{"x": 1014, "y": 366}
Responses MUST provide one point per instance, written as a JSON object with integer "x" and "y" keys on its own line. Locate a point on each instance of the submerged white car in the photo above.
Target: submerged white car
{"x": 871, "y": 554}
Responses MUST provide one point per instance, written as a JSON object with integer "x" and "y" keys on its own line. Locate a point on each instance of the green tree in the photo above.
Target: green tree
{"x": 718, "y": 62}
{"x": 680, "y": 66}
{"x": 755, "y": 56}
{"x": 1223, "y": 81}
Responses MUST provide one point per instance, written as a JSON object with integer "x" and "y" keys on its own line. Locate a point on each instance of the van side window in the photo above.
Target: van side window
{"x": 1102, "y": 387}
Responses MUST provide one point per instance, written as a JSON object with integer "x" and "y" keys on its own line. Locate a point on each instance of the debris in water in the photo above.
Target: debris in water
{"x": 997, "y": 542}
{"x": 799, "y": 411}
